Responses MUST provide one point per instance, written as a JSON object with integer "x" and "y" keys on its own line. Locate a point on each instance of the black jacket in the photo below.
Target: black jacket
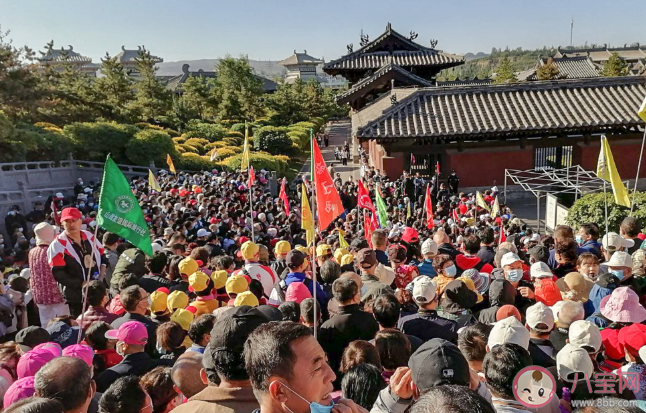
{"x": 501, "y": 292}
{"x": 486, "y": 254}
{"x": 448, "y": 249}
{"x": 539, "y": 357}
{"x": 71, "y": 276}
{"x": 426, "y": 325}
{"x": 151, "y": 327}
{"x": 152, "y": 282}
{"x": 349, "y": 324}
{"x": 136, "y": 364}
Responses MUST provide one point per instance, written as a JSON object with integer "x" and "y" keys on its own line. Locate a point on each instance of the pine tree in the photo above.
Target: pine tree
{"x": 20, "y": 88}
{"x": 239, "y": 90}
{"x": 505, "y": 72}
{"x": 548, "y": 71}
{"x": 198, "y": 97}
{"x": 615, "y": 66}
{"x": 152, "y": 99}
{"x": 116, "y": 89}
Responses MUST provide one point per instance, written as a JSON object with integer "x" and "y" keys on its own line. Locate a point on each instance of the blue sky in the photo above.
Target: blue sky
{"x": 272, "y": 29}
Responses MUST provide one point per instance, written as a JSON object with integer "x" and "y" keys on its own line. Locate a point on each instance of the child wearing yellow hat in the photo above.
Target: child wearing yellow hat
{"x": 176, "y": 299}
{"x": 186, "y": 267}
{"x": 159, "y": 306}
{"x": 219, "y": 279}
{"x": 202, "y": 285}
{"x": 246, "y": 298}
{"x": 236, "y": 284}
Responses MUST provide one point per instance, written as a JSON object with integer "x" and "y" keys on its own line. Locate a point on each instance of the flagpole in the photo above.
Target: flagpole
{"x": 313, "y": 202}
{"x": 251, "y": 209}
{"x": 639, "y": 164}
{"x": 605, "y": 201}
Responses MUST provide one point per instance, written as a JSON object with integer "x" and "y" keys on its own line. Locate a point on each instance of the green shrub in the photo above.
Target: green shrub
{"x": 234, "y": 134}
{"x": 224, "y": 153}
{"x": 306, "y": 125}
{"x": 180, "y": 149}
{"x": 591, "y": 208}
{"x": 179, "y": 140}
{"x": 300, "y": 138}
{"x": 198, "y": 143}
{"x": 237, "y": 127}
{"x": 233, "y": 141}
{"x": 209, "y": 131}
{"x": 219, "y": 144}
{"x": 194, "y": 162}
{"x": 44, "y": 144}
{"x": 189, "y": 148}
{"x": 273, "y": 139}
{"x": 93, "y": 141}
{"x": 150, "y": 145}
{"x": 259, "y": 160}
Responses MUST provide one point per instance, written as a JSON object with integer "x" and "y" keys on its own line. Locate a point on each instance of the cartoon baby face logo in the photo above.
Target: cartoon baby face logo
{"x": 534, "y": 386}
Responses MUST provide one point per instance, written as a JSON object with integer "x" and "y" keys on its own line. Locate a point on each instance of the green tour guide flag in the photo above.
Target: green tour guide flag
{"x": 119, "y": 210}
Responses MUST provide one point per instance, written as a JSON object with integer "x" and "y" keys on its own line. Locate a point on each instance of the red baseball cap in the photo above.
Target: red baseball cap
{"x": 611, "y": 344}
{"x": 633, "y": 338}
{"x": 71, "y": 214}
{"x": 244, "y": 239}
{"x": 131, "y": 332}
{"x": 410, "y": 235}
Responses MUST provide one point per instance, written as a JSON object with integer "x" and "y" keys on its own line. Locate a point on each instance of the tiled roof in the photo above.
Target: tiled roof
{"x": 362, "y": 61}
{"x": 411, "y": 54}
{"x": 466, "y": 82}
{"x": 599, "y": 54}
{"x": 387, "y": 69}
{"x": 174, "y": 83}
{"x": 129, "y": 55}
{"x": 62, "y": 54}
{"x": 527, "y": 108}
{"x": 569, "y": 68}
{"x": 300, "y": 58}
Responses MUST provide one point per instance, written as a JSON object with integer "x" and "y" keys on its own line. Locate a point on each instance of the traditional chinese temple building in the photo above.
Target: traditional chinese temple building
{"x": 391, "y": 60}
{"x": 128, "y": 58}
{"x": 58, "y": 58}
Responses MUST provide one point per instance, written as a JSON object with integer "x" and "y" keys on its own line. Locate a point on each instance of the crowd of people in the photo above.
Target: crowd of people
{"x": 234, "y": 312}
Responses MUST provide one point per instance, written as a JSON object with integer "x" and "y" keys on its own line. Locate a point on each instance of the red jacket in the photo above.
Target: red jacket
{"x": 464, "y": 262}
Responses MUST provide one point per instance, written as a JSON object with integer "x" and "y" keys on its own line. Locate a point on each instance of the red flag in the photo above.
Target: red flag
{"x": 374, "y": 223}
{"x": 437, "y": 167}
{"x": 363, "y": 199}
{"x": 412, "y": 159}
{"x": 283, "y": 196}
{"x": 252, "y": 177}
{"x": 368, "y": 227}
{"x": 456, "y": 218}
{"x": 428, "y": 204}
{"x": 328, "y": 202}
{"x": 503, "y": 238}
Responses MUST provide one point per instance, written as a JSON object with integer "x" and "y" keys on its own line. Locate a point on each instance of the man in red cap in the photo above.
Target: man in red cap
{"x": 71, "y": 255}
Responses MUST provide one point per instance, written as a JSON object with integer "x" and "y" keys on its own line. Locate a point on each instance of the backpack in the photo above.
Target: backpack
{"x": 281, "y": 286}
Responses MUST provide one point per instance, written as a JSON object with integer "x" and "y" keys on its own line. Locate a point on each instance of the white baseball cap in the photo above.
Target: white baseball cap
{"x": 572, "y": 360}
{"x": 642, "y": 353}
{"x": 424, "y": 290}
{"x": 613, "y": 241}
{"x": 202, "y": 233}
{"x": 509, "y": 258}
{"x": 537, "y": 314}
{"x": 509, "y": 330}
{"x": 429, "y": 247}
{"x": 620, "y": 259}
{"x": 540, "y": 270}
{"x": 586, "y": 335}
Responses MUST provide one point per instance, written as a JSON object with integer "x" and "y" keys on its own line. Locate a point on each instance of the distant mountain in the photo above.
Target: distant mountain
{"x": 471, "y": 56}
{"x": 265, "y": 68}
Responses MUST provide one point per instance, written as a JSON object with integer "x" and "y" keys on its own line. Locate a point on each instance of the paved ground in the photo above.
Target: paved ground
{"x": 339, "y": 134}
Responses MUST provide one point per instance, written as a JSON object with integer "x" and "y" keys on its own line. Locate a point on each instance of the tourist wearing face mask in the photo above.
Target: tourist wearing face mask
{"x": 446, "y": 271}
{"x": 621, "y": 266}
{"x": 512, "y": 267}
{"x": 131, "y": 340}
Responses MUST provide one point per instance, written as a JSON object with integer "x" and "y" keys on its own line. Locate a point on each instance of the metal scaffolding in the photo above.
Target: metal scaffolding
{"x": 540, "y": 182}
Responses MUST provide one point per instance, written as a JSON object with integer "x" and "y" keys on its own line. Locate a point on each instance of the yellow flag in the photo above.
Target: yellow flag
{"x": 607, "y": 170}
{"x": 408, "y": 209}
{"x": 245, "y": 153}
{"x": 214, "y": 154}
{"x": 342, "y": 242}
{"x": 496, "y": 208}
{"x": 152, "y": 181}
{"x": 307, "y": 221}
{"x": 169, "y": 161}
{"x": 642, "y": 111}
{"x": 480, "y": 201}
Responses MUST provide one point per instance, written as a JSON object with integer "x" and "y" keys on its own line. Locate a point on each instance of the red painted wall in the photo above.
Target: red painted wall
{"x": 481, "y": 168}
{"x": 393, "y": 165}
{"x": 626, "y": 156}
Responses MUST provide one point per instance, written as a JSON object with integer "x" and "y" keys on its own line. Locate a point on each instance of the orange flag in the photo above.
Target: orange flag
{"x": 328, "y": 202}
{"x": 169, "y": 161}
{"x": 428, "y": 204}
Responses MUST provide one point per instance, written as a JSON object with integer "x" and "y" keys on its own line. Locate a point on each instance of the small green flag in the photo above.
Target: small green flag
{"x": 119, "y": 211}
{"x": 381, "y": 209}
